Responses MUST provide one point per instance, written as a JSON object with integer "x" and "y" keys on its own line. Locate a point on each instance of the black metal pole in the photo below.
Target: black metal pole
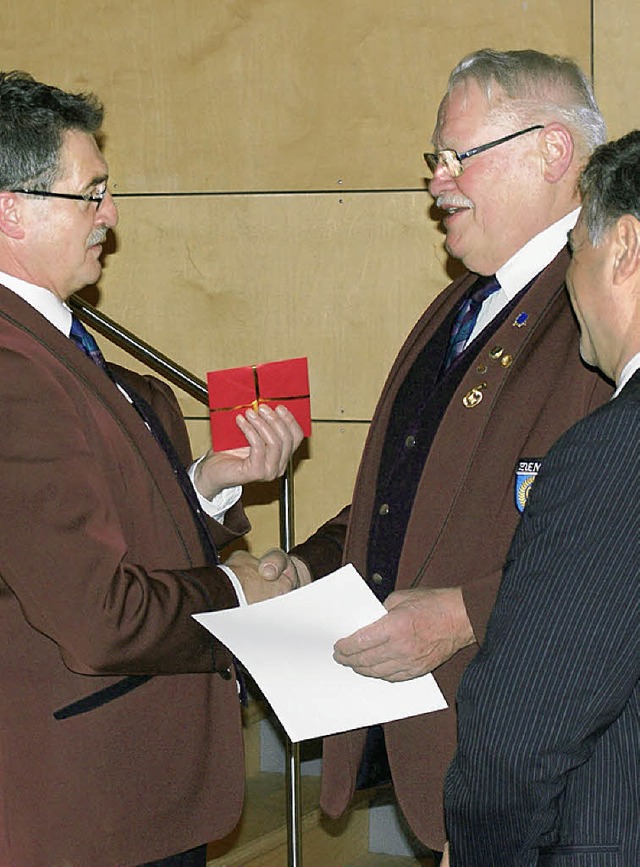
{"x": 139, "y": 349}
{"x": 292, "y": 750}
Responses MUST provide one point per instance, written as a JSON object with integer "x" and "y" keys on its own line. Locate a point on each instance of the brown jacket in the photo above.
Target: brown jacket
{"x": 101, "y": 568}
{"x": 464, "y": 513}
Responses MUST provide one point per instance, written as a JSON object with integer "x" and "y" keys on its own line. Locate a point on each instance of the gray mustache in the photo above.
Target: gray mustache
{"x": 97, "y": 237}
{"x": 448, "y": 201}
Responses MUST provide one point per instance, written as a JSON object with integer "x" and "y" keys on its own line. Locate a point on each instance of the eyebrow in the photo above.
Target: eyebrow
{"x": 99, "y": 179}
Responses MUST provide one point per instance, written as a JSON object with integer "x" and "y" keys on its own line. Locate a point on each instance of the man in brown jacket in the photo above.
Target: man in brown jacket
{"x": 105, "y": 549}
{"x": 465, "y": 417}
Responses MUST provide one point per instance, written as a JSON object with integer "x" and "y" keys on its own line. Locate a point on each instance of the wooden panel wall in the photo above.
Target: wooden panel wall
{"x": 266, "y": 157}
{"x": 616, "y": 67}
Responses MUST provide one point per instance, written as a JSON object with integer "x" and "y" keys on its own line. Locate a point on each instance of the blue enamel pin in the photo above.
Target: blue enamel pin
{"x": 520, "y": 320}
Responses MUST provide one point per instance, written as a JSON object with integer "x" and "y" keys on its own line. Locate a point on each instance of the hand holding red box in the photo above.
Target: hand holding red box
{"x": 275, "y": 383}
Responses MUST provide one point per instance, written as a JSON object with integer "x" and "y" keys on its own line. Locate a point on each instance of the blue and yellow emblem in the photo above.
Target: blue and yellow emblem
{"x": 526, "y": 472}
{"x": 521, "y": 319}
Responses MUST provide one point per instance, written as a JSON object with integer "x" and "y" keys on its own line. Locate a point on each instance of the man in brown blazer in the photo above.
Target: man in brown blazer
{"x": 465, "y": 417}
{"x": 120, "y": 735}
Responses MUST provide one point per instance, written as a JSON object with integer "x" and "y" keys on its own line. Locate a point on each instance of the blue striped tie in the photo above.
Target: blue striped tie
{"x": 86, "y": 342}
{"x": 467, "y": 316}
{"x": 88, "y": 345}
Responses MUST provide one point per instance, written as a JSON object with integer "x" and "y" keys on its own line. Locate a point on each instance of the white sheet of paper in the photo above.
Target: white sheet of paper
{"x": 286, "y": 644}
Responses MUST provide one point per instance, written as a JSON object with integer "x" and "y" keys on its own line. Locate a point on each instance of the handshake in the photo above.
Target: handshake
{"x": 423, "y": 626}
{"x": 273, "y": 574}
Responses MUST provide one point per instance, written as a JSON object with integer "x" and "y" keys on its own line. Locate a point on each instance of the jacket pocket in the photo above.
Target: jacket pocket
{"x": 102, "y": 696}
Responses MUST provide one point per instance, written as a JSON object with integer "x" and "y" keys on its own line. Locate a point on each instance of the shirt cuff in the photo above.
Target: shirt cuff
{"x": 237, "y": 586}
{"x": 218, "y": 507}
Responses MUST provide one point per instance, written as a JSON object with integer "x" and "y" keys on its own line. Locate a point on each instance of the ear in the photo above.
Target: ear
{"x": 557, "y": 147}
{"x": 626, "y": 249}
{"x": 11, "y": 223}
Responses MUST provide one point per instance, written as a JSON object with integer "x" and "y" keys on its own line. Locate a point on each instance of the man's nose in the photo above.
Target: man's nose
{"x": 107, "y": 213}
{"x": 441, "y": 181}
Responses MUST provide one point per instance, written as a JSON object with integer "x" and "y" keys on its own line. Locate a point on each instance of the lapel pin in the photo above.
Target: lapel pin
{"x": 520, "y": 320}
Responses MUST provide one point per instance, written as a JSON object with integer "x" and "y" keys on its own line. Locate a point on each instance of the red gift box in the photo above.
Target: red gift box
{"x": 233, "y": 391}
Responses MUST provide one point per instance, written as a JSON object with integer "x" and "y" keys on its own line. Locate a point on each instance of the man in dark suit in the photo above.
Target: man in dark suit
{"x": 547, "y": 769}
{"x": 107, "y": 544}
{"x": 462, "y": 423}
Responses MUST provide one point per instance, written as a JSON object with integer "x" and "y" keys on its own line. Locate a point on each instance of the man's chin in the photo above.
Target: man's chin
{"x": 451, "y": 248}
{"x": 89, "y": 276}
{"x": 588, "y": 356}
{"x": 455, "y": 246}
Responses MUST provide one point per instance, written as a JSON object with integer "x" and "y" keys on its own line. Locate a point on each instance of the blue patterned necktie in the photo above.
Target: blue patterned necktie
{"x": 467, "y": 316}
{"x": 87, "y": 343}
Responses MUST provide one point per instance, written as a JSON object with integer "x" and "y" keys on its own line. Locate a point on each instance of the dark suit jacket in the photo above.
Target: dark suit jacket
{"x": 101, "y": 567}
{"x": 547, "y": 769}
{"x": 464, "y": 513}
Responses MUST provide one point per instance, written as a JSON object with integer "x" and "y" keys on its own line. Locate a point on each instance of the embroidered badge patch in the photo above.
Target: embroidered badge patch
{"x": 526, "y": 472}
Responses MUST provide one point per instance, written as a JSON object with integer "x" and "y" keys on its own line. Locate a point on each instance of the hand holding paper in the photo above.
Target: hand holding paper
{"x": 286, "y": 644}
{"x": 423, "y": 628}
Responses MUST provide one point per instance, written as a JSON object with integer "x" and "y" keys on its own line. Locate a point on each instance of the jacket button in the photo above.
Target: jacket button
{"x": 384, "y": 509}
{"x": 377, "y": 578}
{"x": 410, "y": 442}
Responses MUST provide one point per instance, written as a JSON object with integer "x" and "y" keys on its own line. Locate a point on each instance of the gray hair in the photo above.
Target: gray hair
{"x": 33, "y": 120}
{"x": 540, "y": 88}
{"x": 610, "y": 185}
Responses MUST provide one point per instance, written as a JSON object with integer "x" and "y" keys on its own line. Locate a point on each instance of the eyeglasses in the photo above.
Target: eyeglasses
{"x": 98, "y": 198}
{"x": 451, "y": 161}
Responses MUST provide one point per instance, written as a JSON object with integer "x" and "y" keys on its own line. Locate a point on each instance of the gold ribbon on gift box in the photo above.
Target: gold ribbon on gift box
{"x": 255, "y": 403}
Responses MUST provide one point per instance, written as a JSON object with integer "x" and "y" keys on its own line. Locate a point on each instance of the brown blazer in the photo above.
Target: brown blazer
{"x": 464, "y": 513}
{"x": 101, "y": 568}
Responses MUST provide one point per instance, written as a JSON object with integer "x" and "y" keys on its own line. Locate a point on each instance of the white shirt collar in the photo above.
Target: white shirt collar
{"x": 44, "y": 301}
{"x": 522, "y": 267}
{"x": 627, "y": 372}
{"x": 536, "y": 254}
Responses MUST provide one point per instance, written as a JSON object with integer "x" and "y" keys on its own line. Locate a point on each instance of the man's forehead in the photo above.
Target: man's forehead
{"x": 462, "y": 114}
{"x": 80, "y": 155}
